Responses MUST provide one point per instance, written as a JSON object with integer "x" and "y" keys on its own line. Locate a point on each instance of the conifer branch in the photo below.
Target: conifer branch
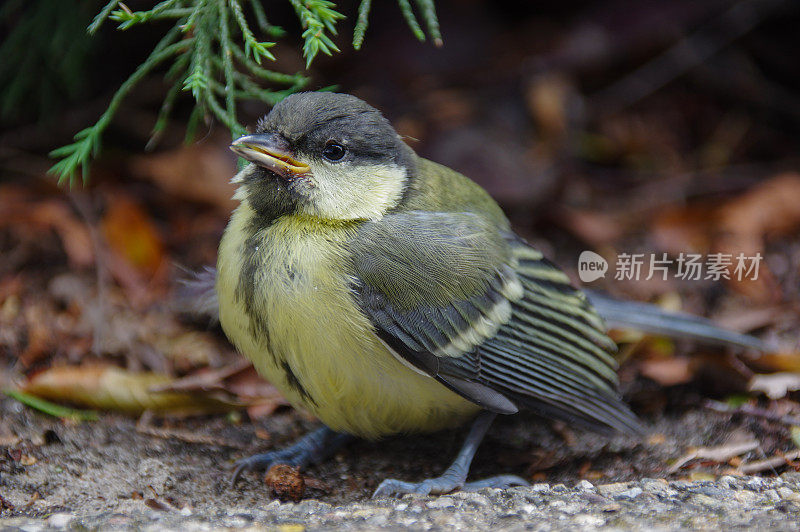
{"x": 211, "y": 52}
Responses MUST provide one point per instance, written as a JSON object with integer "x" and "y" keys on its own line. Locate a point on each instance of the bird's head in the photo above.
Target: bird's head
{"x": 327, "y": 155}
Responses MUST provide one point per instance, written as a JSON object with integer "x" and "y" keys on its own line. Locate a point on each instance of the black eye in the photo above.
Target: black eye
{"x": 333, "y": 152}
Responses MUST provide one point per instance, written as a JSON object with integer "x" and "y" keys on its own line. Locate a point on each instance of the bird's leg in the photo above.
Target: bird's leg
{"x": 312, "y": 448}
{"x": 455, "y": 476}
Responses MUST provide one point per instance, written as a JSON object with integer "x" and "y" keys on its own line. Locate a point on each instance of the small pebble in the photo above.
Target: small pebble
{"x": 755, "y": 484}
{"x": 60, "y": 520}
{"x": 442, "y": 502}
{"x": 629, "y": 494}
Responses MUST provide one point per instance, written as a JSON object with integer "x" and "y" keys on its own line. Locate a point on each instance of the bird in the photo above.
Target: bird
{"x": 386, "y": 294}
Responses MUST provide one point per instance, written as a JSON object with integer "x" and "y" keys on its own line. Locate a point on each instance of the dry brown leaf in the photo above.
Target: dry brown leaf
{"x": 261, "y": 396}
{"x": 770, "y": 209}
{"x": 684, "y": 229}
{"x": 551, "y": 99}
{"x": 739, "y": 226}
{"x": 188, "y": 350}
{"x": 205, "y": 379}
{"x": 239, "y": 380}
{"x": 198, "y": 172}
{"x": 720, "y": 454}
{"x": 769, "y": 463}
{"x": 26, "y": 213}
{"x": 248, "y": 383}
{"x": 668, "y": 371}
{"x": 780, "y": 361}
{"x": 39, "y": 322}
{"x": 112, "y": 388}
{"x": 131, "y": 234}
{"x": 596, "y": 228}
{"x": 73, "y": 233}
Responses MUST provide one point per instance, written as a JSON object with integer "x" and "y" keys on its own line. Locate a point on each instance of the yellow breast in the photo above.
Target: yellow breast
{"x": 285, "y": 302}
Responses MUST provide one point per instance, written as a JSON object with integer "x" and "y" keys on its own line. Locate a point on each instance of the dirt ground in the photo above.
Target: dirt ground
{"x": 108, "y": 466}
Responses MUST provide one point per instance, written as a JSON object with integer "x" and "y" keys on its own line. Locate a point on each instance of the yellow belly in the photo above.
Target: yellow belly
{"x": 313, "y": 343}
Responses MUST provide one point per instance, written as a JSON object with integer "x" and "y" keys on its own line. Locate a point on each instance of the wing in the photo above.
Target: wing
{"x": 487, "y": 316}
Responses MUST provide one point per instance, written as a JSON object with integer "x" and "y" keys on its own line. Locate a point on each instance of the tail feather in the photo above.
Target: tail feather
{"x": 199, "y": 297}
{"x": 652, "y": 319}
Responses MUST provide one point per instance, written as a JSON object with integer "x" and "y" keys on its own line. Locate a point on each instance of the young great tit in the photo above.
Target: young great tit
{"x": 387, "y": 294}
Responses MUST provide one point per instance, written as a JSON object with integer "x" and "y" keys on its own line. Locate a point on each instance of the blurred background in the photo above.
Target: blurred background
{"x": 617, "y": 126}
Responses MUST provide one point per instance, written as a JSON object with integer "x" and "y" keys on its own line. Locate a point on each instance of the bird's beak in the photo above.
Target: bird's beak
{"x": 271, "y": 152}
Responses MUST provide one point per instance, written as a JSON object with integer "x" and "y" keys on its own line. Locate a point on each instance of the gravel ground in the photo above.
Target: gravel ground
{"x": 108, "y": 474}
{"x": 730, "y": 503}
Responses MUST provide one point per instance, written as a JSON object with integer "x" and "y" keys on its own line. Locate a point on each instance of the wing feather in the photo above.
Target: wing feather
{"x": 510, "y": 331}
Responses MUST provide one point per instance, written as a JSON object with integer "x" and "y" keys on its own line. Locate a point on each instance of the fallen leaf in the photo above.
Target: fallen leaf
{"x": 770, "y": 209}
{"x": 685, "y": 229}
{"x": 112, "y": 388}
{"x": 240, "y": 380}
{"x": 739, "y": 226}
{"x": 74, "y": 234}
{"x": 775, "y": 385}
{"x": 198, "y": 172}
{"x": 41, "y": 340}
{"x": 160, "y": 505}
{"x": 781, "y": 361}
{"x": 26, "y": 213}
{"x": 720, "y": 454}
{"x": 596, "y": 228}
{"x": 132, "y": 235}
{"x": 203, "y": 380}
{"x": 668, "y": 371}
{"x": 769, "y": 463}
{"x": 555, "y": 106}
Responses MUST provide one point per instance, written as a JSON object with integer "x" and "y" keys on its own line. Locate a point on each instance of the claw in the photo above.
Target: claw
{"x": 312, "y": 448}
{"x": 252, "y": 463}
{"x": 500, "y": 482}
{"x": 432, "y": 486}
{"x": 442, "y": 485}
{"x": 240, "y": 467}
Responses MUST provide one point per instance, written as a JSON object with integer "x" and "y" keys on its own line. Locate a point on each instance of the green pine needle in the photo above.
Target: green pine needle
{"x": 431, "y": 20}
{"x": 411, "y": 19}
{"x": 42, "y": 405}
{"x": 212, "y": 52}
{"x": 361, "y": 23}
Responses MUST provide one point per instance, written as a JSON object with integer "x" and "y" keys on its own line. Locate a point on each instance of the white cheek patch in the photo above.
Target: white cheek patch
{"x": 240, "y": 177}
{"x": 348, "y": 192}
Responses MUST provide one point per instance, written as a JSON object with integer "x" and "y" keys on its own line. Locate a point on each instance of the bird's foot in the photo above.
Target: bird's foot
{"x": 500, "y": 482}
{"x": 444, "y": 484}
{"x": 310, "y": 449}
{"x": 291, "y": 456}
